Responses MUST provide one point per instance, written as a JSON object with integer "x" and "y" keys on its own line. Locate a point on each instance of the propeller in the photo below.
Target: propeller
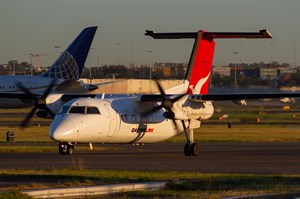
{"x": 166, "y": 103}
{"x": 39, "y": 101}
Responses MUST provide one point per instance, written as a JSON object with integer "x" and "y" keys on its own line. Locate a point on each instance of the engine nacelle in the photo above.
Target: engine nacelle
{"x": 198, "y": 110}
{"x": 43, "y": 114}
{"x": 54, "y": 102}
{"x": 169, "y": 115}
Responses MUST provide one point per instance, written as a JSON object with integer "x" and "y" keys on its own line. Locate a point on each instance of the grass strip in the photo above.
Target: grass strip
{"x": 181, "y": 184}
{"x": 14, "y": 195}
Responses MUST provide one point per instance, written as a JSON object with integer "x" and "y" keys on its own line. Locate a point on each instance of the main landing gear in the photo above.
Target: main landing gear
{"x": 190, "y": 148}
{"x": 65, "y": 148}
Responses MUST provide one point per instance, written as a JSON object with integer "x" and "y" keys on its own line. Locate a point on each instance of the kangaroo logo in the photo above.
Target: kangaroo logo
{"x": 196, "y": 89}
{"x": 65, "y": 67}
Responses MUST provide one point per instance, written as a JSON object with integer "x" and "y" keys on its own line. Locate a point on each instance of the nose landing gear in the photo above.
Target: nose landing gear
{"x": 65, "y": 148}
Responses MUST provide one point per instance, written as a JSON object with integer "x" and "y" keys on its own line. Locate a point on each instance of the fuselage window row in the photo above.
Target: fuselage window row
{"x": 136, "y": 118}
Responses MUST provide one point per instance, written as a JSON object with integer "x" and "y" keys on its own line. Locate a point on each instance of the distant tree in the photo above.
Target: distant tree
{"x": 286, "y": 65}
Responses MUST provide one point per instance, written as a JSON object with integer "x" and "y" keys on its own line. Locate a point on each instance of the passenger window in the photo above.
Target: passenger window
{"x": 63, "y": 110}
{"x": 77, "y": 109}
{"x": 92, "y": 110}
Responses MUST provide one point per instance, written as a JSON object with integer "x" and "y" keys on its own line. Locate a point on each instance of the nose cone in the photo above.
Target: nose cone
{"x": 61, "y": 129}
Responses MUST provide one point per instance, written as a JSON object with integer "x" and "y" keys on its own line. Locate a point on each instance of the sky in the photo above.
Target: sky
{"x": 37, "y": 26}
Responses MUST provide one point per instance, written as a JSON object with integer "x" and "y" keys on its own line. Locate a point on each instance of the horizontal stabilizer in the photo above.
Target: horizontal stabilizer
{"x": 215, "y": 35}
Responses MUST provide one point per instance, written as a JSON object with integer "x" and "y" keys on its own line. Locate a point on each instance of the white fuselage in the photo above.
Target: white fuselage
{"x": 118, "y": 121}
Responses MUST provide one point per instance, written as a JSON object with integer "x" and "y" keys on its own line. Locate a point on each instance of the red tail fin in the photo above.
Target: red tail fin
{"x": 200, "y": 64}
{"x": 199, "y": 70}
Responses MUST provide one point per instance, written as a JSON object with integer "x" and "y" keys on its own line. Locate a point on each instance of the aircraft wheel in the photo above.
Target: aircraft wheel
{"x": 195, "y": 149}
{"x": 62, "y": 148}
{"x": 70, "y": 149}
{"x": 187, "y": 150}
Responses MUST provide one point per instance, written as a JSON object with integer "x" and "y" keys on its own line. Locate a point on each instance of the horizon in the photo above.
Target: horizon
{"x": 48, "y": 27}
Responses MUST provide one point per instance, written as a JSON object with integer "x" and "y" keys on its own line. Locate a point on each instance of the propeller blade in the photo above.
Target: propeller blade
{"x": 29, "y": 116}
{"x": 161, "y": 90}
{"x": 167, "y": 104}
{"x": 24, "y": 89}
{"x": 39, "y": 101}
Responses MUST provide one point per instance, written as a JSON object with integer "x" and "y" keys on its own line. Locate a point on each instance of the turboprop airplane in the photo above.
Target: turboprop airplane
{"x": 66, "y": 70}
{"x": 151, "y": 118}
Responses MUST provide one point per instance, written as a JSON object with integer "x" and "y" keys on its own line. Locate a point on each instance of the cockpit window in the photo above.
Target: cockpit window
{"x": 63, "y": 110}
{"x": 77, "y": 109}
{"x": 92, "y": 110}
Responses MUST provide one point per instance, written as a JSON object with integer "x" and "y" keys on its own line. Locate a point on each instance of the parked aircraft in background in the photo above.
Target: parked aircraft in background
{"x": 66, "y": 70}
{"x": 151, "y": 118}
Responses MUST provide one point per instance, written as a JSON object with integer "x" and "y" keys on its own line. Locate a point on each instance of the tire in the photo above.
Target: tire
{"x": 70, "y": 149}
{"x": 195, "y": 149}
{"x": 62, "y": 148}
{"x": 187, "y": 150}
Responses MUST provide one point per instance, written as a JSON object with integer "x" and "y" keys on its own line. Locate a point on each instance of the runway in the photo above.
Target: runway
{"x": 252, "y": 158}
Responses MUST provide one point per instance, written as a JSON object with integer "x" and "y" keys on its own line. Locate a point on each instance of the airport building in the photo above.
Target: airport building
{"x": 130, "y": 86}
{"x": 221, "y": 70}
{"x": 269, "y": 73}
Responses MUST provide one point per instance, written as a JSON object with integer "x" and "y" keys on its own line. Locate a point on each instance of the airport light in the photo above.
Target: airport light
{"x": 271, "y": 53}
{"x": 90, "y": 57}
{"x": 295, "y": 58}
{"x": 150, "y": 66}
{"x": 235, "y": 72}
{"x": 131, "y": 42}
{"x": 98, "y": 62}
{"x": 117, "y": 46}
{"x": 31, "y": 66}
{"x": 37, "y": 59}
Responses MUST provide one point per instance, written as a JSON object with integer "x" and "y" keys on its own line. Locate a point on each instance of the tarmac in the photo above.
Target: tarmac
{"x": 244, "y": 158}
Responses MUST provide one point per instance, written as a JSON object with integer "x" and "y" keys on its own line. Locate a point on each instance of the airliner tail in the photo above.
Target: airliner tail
{"x": 70, "y": 63}
{"x": 197, "y": 78}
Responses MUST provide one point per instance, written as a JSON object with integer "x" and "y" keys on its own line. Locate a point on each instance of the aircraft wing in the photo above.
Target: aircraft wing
{"x": 15, "y": 95}
{"x": 74, "y": 86}
{"x": 225, "y": 97}
{"x": 105, "y": 83}
{"x": 64, "y": 97}
{"x": 246, "y": 96}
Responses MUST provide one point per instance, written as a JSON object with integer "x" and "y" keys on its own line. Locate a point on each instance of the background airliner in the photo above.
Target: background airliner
{"x": 66, "y": 70}
{"x": 151, "y": 118}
